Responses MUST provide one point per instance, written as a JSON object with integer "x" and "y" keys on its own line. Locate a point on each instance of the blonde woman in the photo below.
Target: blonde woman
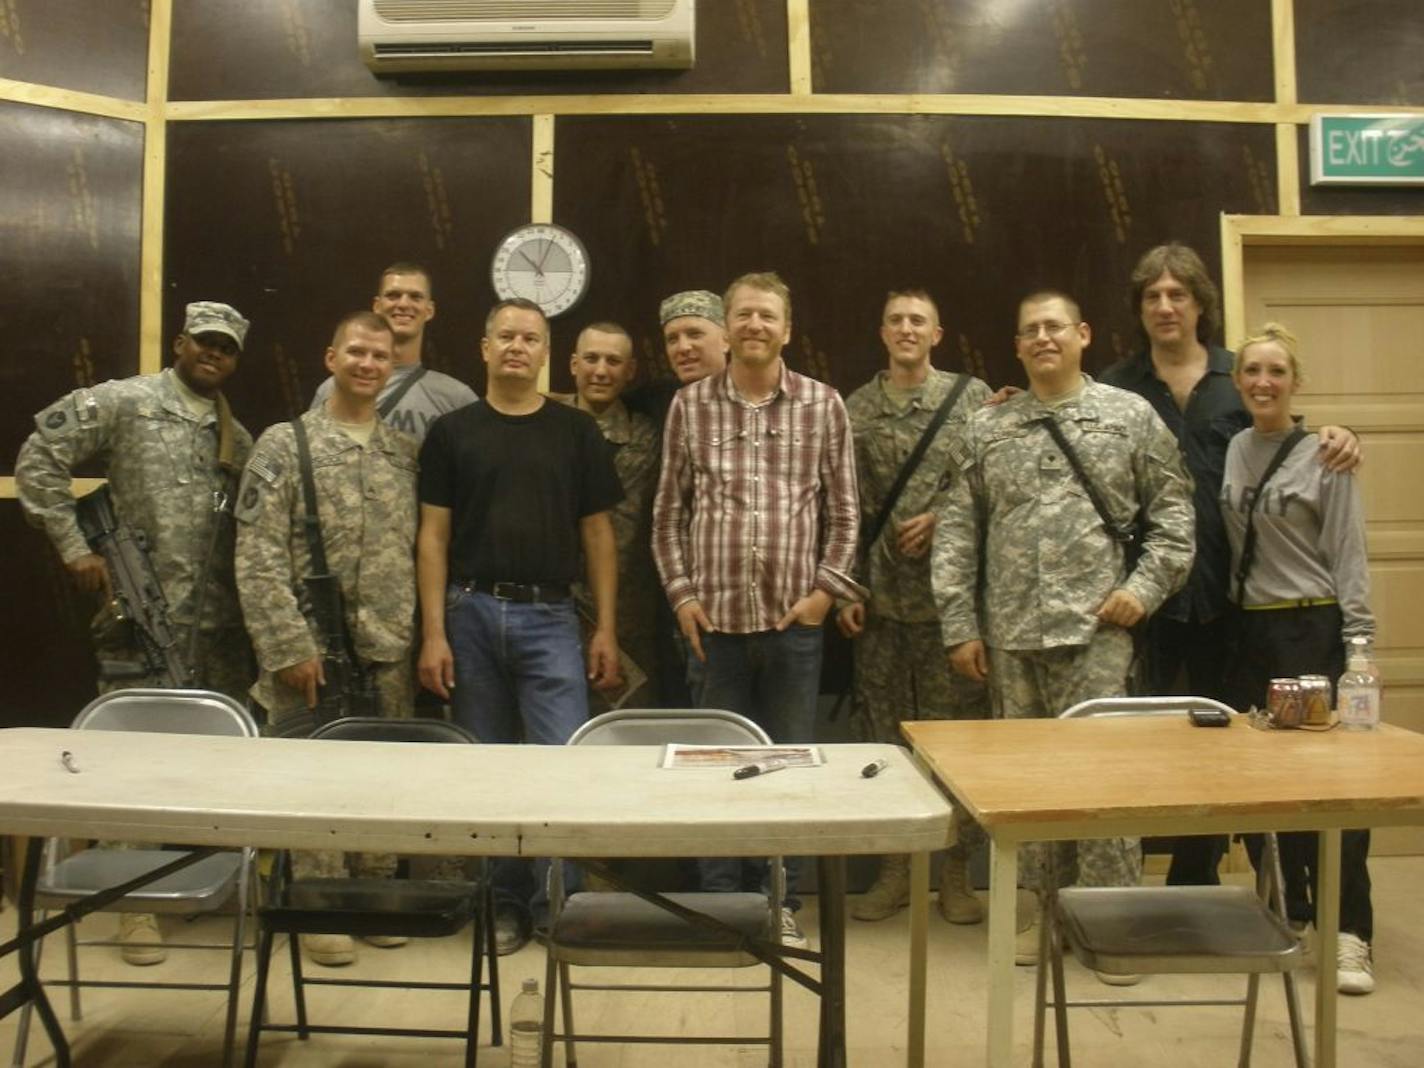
{"x": 1298, "y": 558}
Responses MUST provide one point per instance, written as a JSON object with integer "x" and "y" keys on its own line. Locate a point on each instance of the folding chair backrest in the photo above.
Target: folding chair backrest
{"x": 167, "y": 712}
{"x": 659, "y": 726}
{"x": 380, "y": 729}
{"x": 1143, "y": 706}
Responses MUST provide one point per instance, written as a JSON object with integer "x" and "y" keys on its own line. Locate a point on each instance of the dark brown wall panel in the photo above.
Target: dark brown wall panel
{"x": 44, "y": 631}
{"x": 1360, "y": 51}
{"x": 977, "y": 210}
{"x": 292, "y": 222}
{"x": 70, "y": 207}
{"x": 1182, "y": 49}
{"x": 1353, "y": 199}
{"x": 93, "y": 46}
{"x": 264, "y": 49}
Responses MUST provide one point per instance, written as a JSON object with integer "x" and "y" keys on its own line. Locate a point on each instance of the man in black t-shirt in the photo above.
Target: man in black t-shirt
{"x": 510, "y": 490}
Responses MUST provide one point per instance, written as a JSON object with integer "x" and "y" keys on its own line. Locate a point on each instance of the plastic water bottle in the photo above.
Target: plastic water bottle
{"x": 526, "y": 1026}
{"x": 1359, "y": 690}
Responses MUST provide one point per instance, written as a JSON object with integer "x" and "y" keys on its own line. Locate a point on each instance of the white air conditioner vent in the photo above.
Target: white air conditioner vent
{"x": 398, "y": 36}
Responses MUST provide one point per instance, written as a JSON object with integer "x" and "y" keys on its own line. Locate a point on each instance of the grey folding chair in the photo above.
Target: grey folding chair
{"x": 624, "y": 930}
{"x": 203, "y": 887}
{"x": 409, "y": 908}
{"x": 1168, "y": 930}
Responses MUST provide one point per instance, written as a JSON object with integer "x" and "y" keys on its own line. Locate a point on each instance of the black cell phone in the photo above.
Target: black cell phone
{"x": 1209, "y": 717}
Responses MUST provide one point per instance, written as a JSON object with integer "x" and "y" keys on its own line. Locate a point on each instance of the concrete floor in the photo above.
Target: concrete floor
{"x": 143, "y": 1029}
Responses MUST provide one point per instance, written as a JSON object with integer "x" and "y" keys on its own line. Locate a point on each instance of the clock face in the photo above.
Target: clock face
{"x": 543, "y": 263}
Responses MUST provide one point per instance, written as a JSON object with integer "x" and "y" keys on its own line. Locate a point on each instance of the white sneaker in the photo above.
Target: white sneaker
{"x": 791, "y": 933}
{"x": 1354, "y": 971}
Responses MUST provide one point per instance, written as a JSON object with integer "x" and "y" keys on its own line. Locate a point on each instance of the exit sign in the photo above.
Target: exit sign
{"x": 1367, "y": 149}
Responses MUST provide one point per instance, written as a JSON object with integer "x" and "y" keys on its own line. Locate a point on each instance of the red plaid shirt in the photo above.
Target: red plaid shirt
{"x": 757, "y": 503}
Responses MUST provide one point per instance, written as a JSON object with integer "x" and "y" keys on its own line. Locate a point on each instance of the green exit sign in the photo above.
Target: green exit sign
{"x": 1367, "y": 149}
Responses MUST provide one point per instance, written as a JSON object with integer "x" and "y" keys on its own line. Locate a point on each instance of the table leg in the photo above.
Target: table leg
{"x": 919, "y": 945}
{"x": 831, "y": 882}
{"x": 30, "y": 985}
{"x": 1003, "y": 887}
{"x": 1327, "y": 929}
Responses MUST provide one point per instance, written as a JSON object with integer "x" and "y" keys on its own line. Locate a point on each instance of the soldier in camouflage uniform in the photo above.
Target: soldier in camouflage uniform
{"x": 1057, "y": 595}
{"x": 900, "y": 671}
{"x": 365, "y": 476}
{"x": 603, "y": 366}
{"x": 171, "y": 451}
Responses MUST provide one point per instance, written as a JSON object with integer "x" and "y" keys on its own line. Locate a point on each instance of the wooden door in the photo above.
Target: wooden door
{"x": 1359, "y": 313}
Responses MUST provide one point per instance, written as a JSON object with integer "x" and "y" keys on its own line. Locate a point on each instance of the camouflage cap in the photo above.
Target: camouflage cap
{"x": 209, "y": 317}
{"x": 698, "y": 302}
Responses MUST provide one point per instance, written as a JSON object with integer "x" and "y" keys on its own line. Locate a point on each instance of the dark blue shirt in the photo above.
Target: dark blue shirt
{"x": 1203, "y": 429}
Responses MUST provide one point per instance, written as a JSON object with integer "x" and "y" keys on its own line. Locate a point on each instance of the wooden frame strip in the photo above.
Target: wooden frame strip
{"x": 47, "y": 96}
{"x": 155, "y": 165}
{"x": 1086, "y": 107}
{"x": 798, "y": 46}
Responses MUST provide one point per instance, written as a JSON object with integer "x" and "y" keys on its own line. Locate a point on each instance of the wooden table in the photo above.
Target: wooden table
{"x": 1050, "y": 779}
{"x": 485, "y": 800}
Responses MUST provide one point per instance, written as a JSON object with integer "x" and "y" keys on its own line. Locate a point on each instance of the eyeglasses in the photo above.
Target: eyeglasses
{"x": 1051, "y": 328}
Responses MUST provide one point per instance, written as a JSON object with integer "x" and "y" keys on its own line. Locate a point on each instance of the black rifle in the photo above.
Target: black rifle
{"x": 137, "y": 594}
{"x": 348, "y": 690}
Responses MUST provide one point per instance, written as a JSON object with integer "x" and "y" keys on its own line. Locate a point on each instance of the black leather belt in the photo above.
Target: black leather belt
{"x": 518, "y": 591}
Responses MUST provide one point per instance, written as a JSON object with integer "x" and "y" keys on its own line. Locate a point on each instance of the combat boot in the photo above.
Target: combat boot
{"x": 957, "y": 902}
{"x": 889, "y": 893}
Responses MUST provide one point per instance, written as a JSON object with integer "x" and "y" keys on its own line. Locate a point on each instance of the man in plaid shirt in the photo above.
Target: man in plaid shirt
{"x": 754, "y": 529}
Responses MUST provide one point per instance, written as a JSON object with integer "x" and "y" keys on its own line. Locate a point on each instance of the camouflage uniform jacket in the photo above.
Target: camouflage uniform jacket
{"x": 161, "y": 461}
{"x": 1048, "y": 562}
{"x": 885, "y": 435}
{"x": 366, "y": 501}
{"x": 636, "y": 451}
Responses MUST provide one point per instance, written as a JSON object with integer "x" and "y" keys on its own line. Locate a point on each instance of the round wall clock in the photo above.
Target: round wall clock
{"x": 543, "y": 263}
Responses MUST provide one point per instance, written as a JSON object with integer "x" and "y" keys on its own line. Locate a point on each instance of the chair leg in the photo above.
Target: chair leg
{"x": 239, "y": 940}
{"x": 477, "y": 949}
{"x": 1297, "y": 1023}
{"x": 71, "y": 950}
{"x": 566, "y": 995}
{"x": 1040, "y": 993}
{"x": 1248, "y": 1022}
{"x": 1060, "y": 988}
{"x": 299, "y": 990}
{"x": 778, "y": 1019}
{"x": 492, "y": 959}
{"x": 551, "y": 994}
{"x": 259, "y": 997}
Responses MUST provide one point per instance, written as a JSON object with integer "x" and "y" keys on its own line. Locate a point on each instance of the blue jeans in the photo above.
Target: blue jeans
{"x": 773, "y": 678}
{"x": 519, "y": 676}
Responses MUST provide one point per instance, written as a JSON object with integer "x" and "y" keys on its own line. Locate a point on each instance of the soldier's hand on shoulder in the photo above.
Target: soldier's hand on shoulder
{"x": 1122, "y": 609}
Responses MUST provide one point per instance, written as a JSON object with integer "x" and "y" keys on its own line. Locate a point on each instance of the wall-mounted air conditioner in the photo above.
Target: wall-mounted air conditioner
{"x": 451, "y": 35}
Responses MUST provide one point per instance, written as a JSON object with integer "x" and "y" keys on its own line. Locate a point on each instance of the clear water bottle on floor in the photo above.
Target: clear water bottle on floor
{"x": 1359, "y": 690}
{"x": 526, "y": 1026}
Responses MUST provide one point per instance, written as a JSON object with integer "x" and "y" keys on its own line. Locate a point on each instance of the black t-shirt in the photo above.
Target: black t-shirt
{"x": 517, "y": 486}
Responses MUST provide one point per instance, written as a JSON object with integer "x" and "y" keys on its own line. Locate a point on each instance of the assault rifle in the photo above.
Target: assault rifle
{"x": 137, "y": 595}
{"x": 348, "y": 690}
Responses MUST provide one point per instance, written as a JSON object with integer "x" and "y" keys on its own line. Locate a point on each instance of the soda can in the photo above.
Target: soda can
{"x": 1284, "y": 707}
{"x": 1316, "y": 705}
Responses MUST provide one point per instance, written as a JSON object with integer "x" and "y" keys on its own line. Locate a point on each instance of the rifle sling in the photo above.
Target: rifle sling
{"x": 388, "y": 405}
{"x": 912, "y": 462}
{"x": 311, "y": 524}
{"x": 1123, "y": 534}
{"x": 1248, "y": 543}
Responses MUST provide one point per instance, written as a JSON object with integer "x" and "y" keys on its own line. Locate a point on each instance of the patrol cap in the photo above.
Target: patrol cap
{"x": 210, "y": 317}
{"x": 698, "y": 302}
